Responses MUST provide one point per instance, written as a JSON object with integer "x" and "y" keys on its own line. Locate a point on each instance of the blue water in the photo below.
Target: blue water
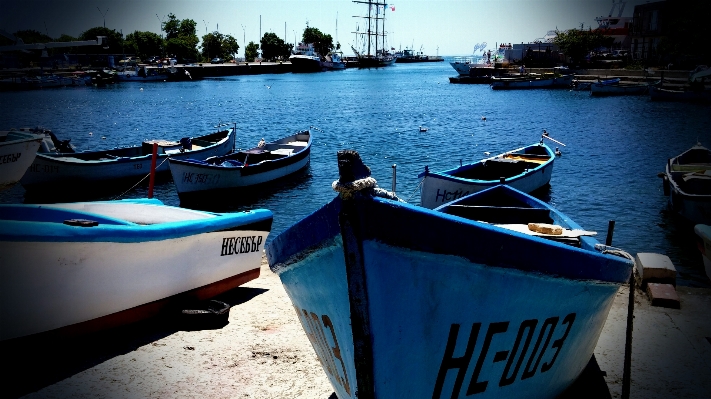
{"x": 614, "y": 146}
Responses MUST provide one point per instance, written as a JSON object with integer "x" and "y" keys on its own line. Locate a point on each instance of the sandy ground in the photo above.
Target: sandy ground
{"x": 261, "y": 353}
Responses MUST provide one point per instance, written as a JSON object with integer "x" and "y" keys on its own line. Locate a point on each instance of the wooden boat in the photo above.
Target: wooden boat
{"x": 687, "y": 182}
{"x": 704, "y": 243}
{"x": 527, "y": 169}
{"x": 617, "y": 89}
{"x": 533, "y": 81}
{"x": 79, "y": 267}
{"x": 257, "y": 165}
{"x": 662, "y": 94}
{"x": 400, "y": 301}
{"x": 17, "y": 151}
{"x": 91, "y": 168}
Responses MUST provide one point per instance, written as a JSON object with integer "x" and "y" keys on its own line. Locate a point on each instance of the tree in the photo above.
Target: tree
{"x": 576, "y": 44}
{"x": 32, "y": 36}
{"x": 66, "y": 38}
{"x": 323, "y": 44}
{"x": 251, "y": 51}
{"x": 144, "y": 44}
{"x": 114, "y": 39}
{"x": 274, "y": 48}
{"x": 181, "y": 38}
{"x": 215, "y": 44}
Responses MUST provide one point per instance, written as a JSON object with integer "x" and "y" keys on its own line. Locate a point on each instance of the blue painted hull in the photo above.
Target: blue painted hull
{"x": 452, "y": 307}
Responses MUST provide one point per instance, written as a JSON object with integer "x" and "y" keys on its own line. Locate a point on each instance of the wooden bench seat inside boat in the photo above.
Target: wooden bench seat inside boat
{"x": 691, "y": 167}
{"x": 500, "y": 215}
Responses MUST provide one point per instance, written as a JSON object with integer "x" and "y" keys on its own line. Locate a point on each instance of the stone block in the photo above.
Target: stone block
{"x": 655, "y": 268}
{"x": 663, "y": 295}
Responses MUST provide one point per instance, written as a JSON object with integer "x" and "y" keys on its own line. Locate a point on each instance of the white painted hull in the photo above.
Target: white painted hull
{"x": 191, "y": 178}
{"x": 411, "y": 334}
{"x": 69, "y": 170}
{"x": 15, "y": 157}
{"x": 63, "y": 283}
{"x": 461, "y": 68}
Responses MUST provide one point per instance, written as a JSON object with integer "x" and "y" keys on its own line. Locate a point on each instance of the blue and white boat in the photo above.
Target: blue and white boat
{"x": 241, "y": 170}
{"x": 80, "y": 170}
{"x": 79, "y": 267}
{"x": 17, "y": 151}
{"x": 527, "y": 169}
{"x": 400, "y": 301}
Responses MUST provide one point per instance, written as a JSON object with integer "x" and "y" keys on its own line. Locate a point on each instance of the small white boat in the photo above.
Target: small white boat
{"x": 474, "y": 299}
{"x": 687, "y": 182}
{"x": 618, "y": 89}
{"x": 532, "y": 81}
{"x": 144, "y": 74}
{"x": 80, "y": 267}
{"x": 258, "y": 165}
{"x": 704, "y": 233}
{"x": 527, "y": 169}
{"x": 17, "y": 151}
{"x": 91, "y": 168}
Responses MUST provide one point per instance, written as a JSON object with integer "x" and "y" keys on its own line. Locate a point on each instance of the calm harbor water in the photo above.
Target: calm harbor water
{"x": 608, "y": 171}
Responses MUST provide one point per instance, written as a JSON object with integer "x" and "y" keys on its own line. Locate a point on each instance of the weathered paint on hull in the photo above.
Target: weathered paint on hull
{"x": 444, "y": 327}
{"x": 50, "y": 285}
{"x": 438, "y": 191}
{"x": 65, "y": 171}
{"x": 694, "y": 208}
{"x": 191, "y": 178}
{"x": 559, "y": 82}
{"x": 15, "y": 157}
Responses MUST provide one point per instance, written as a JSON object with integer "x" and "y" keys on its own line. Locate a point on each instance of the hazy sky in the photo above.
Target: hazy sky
{"x": 447, "y": 27}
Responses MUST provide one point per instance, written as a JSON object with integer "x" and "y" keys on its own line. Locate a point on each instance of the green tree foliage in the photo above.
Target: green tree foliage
{"x": 323, "y": 44}
{"x": 114, "y": 40}
{"x": 66, "y": 38}
{"x": 215, "y": 44}
{"x": 251, "y": 51}
{"x": 144, "y": 44}
{"x": 32, "y": 36}
{"x": 181, "y": 38}
{"x": 576, "y": 44}
{"x": 274, "y": 48}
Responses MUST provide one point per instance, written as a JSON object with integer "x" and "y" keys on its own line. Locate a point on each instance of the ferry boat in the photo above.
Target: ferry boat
{"x": 305, "y": 58}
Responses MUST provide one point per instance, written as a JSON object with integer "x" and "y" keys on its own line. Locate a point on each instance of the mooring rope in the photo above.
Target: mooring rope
{"x": 139, "y": 182}
{"x": 606, "y": 249}
{"x": 348, "y": 190}
{"x": 416, "y": 188}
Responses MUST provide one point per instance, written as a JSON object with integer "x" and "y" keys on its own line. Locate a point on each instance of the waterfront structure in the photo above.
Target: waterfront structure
{"x": 400, "y": 301}
{"x": 648, "y": 29}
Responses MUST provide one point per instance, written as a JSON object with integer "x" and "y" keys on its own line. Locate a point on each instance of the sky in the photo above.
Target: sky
{"x": 436, "y": 27}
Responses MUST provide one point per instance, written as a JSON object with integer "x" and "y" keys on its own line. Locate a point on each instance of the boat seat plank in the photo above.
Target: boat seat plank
{"x": 501, "y": 215}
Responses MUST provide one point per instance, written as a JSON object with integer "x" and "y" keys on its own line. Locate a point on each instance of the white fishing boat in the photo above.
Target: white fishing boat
{"x": 527, "y": 169}
{"x": 239, "y": 170}
{"x": 17, "y": 151}
{"x": 618, "y": 89}
{"x": 305, "y": 59}
{"x": 80, "y": 267}
{"x": 687, "y": 182}
{"x": 400, "y": 301}
{"x": 50, "y": 171}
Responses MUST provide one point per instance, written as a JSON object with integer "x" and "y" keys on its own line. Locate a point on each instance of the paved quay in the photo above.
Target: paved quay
{"x": 263, "y": 353}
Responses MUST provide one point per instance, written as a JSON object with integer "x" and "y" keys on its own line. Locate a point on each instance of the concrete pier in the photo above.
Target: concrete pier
{"x": 264, "y": 353}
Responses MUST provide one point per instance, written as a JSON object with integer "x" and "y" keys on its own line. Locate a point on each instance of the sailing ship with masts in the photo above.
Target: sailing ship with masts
{"x": 375, "y": 52}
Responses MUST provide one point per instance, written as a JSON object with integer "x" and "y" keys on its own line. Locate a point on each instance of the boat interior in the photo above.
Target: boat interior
{"x": 269, "y": 152}
{"x": 499, "y": 207}
{"x": 146, "y": 148}
{"x": 691, "y": 171}
{"x": 505, "y": 165}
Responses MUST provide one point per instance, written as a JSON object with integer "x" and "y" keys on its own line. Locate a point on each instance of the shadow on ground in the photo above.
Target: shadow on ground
{"x": 35, "y": 362}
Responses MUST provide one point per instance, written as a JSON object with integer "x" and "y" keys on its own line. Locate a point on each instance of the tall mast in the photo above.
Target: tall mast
{"x": 370, "y": 10}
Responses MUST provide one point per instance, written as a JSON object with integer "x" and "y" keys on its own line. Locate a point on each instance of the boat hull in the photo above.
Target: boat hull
{"x": 661, "y": 94}
{"x": 15, "y": 157}
{"x": 191, "y": 178}
{"x": 80, "y": 279}
{"x": 552, "y": 83}
{"x": 598, "y": 89}
{"x": 704, "y": 233}
{"x": 439, "y": 188}
{"x": 66, "y": 170}
{"x": 687, "y": 181}
{"x": 446, "y": 316}
{"x": 305, "y": 64}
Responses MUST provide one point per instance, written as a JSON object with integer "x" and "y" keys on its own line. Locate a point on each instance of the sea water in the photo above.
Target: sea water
{"x": 614, "y": 147}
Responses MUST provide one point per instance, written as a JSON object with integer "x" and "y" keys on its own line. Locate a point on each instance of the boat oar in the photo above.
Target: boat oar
{"x": 553, "y": 140}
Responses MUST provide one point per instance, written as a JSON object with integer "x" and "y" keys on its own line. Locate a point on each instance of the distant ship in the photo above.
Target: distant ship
{"x": 375, "y": 53}
{"x": 305, "y": 59}
{"x": 409, "y": 56}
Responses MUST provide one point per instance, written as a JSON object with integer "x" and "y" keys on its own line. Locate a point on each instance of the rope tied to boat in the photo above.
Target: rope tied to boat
{"x": 355, "y": 178}
{"x": 606, "y": 249}
{"x": 139, "y": 182}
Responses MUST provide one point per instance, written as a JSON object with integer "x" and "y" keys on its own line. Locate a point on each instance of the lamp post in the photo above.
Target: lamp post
{"x": 103, "y": 14}
{"x": 207, "y": 45}
{"x": 161, "y": 24}
{"x": 244, "y": 43}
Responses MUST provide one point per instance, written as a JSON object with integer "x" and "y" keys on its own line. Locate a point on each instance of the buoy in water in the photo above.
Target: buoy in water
{"x": 423, "y": 129}
{"x": 557, "y": 152}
